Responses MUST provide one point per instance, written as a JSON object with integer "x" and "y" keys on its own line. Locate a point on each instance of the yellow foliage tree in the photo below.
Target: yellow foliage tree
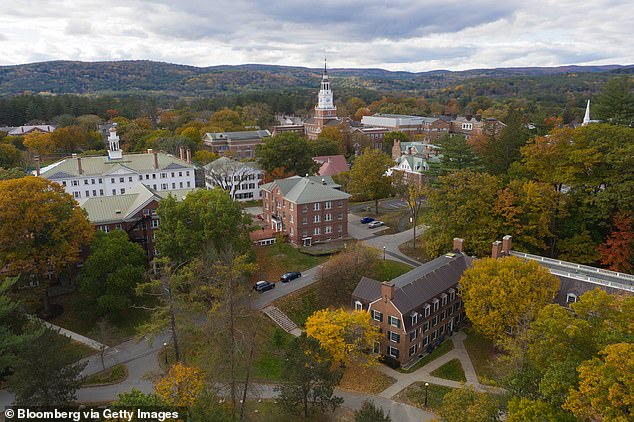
{"x": 39, "y": 143}
{"x": 347, "y": 336}
{"x": 504, "y": 295}
{"x": 181, "y": 386}
{"x": 606, "y": 386}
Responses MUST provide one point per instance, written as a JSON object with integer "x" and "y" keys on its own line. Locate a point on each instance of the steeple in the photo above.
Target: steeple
{"x": 114, "y": 152}
{"x": 325, "y": 94}
{"x": 586, "y": 118}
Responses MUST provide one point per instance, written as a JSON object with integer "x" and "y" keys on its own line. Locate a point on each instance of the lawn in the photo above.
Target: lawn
{"x": 367, "y": 380}
{"x": 112, "y": 375}
{"x": 482, "y": 353}
{"x": 415, "y": 395}
{"x": 451, "y": 370}
{"x": 385, "y": 270}
{"x": 268, "y": 362}
{"x": 445, "y": 347}
{"x": 270, "y": 411}
{"x": 299, "y": 305}
{"x": 275, "y": 260}
{"x": 418, "y": 253}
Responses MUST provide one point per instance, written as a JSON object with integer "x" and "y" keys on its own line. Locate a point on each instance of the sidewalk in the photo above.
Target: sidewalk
{"x": 94, "y": 344}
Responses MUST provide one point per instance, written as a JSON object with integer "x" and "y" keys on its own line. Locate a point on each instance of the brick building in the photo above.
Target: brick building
{"x": 240, "y": 145}
{"x": 134, "y": 212}
{"x": 416, "y": 309}
{"x": 307, "y": 209}
{"x": 325, "y": 110}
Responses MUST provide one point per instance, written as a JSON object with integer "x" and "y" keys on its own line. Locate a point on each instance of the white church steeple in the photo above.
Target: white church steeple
{"x": 114, "y": 152}
{"x": 586, "y": 118}
{"x": 325, "y": 101}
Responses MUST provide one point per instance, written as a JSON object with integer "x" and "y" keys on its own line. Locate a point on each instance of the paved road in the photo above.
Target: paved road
{"x": 261, "y": 300}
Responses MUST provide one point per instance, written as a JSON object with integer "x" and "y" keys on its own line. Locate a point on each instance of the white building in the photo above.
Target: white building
{"x": 115, "y": 174}
{"x": 241, "y": 180}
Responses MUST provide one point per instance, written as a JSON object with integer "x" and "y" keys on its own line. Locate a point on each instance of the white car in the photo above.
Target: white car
{"x": 375, "y": 224}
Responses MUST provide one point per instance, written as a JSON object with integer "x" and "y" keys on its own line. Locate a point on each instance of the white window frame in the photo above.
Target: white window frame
{"x": 358, "y": 306}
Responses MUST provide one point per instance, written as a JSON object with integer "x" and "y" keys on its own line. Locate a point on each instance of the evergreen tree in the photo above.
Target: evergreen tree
{"x": 615, "y": 103}
{"x": 369, "y": 412}
{"x": 457, "y": 154}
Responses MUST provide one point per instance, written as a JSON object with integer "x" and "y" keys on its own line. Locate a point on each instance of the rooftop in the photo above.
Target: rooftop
{"x": 237, "y": 136}
{"x": 306, "y": 190}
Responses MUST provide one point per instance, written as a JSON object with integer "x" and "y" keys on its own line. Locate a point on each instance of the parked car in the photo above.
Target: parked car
{"x": 375, "y": 224}
{"x": 366, "y": 220}
{"x": 290, "y": 276}
{"x": 263, "y": 286}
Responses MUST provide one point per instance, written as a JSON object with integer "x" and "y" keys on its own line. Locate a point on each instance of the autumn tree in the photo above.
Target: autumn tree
{"x": 616, "y": 251}
{"x": 606, "y": 386}
{"x": 467, "y": 405}
{"x": 226, "y": 119}
{"x": 10, "y": 156}
{"x": 345, "y": 335}
{"x": 341, "y": 273}
{"x": 205, "y": 219}
{"x": 310, "y": 378}
{"x": 109, "y": 277}
{"x": 335, "y": 136}
{"x": 39, "y": 143}
{"x": 181, "y": 386}
{"x": 75, "y": 138}
{"x": 203, "y": 157}
{"x": 502, "y": 296}
{"x": 42, "y": 228}
{"x": 535, "y": 410}
{"x": 12, "y": 173}
{"x": 287, "y": 151}
{"x": 368, "y": 177}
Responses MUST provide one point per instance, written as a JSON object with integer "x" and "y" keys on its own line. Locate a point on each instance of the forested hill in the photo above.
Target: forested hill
{"x": 147, "y": 77}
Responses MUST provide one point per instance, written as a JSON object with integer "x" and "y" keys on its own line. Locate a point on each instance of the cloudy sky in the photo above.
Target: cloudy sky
{"x": 413, "y": 35}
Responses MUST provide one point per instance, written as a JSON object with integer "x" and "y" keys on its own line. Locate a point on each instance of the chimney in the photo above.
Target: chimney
{"x": 496, "y": 250}
{"x": 387, "y": 291}
{"x": 458, "y": 244}
{"x": 468, "y": 117}
{"x": 37, "y": 165}
{"x": 478, "y": 117}
{"x": 79, "y": 169}
{"x": 149, "y": 151}
{"x": 189, "y": 155}
{"x": 182, "y": 153}
{"x": 156, "y": 166}
{"x": 507, "y": 244}
{"x": 323, "y": 181}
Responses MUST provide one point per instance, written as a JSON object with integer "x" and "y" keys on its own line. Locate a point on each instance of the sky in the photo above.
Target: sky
{"x": 410, "y": 35}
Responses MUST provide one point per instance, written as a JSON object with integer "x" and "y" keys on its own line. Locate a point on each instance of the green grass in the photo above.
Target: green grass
{"x": 275, "y": 260}
{"x": 112, "y": 375}
{"x": 482, "y": 353}
{"x": 445, "y": 347}
{"x": 417, "y": 253}
{"x": 299, "y": 305}
{"x": 415, "y": 395}
{"x": 81, "y": 350}
{"x": 269, "y": 411}
{"x": 268, "y": 363}
{"x": 385, "y": 270}
{"x": 451, "y": 370}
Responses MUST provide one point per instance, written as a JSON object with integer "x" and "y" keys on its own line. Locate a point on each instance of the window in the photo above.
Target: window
{"x": 434, "y": 321}
{"x": 76, "y": 194}
{"x": 140, "y": 177}
{"x": 304, "y": 220}
{"x": 172, "y": 174}
{"x": 413, "y": 335}
{"x": 394, "y": 337}
{"x": 87, "y": 194}
{"x": 85, "y": 181}
{"x": 327, "y": 230}
{"x": 305, "y": 208}
{"x": 189, "y": 184}
{"x": 104, "y": 229}
{"x": 434, "y": 335}
{"x": 427, "y": 310}
{"x": 64, "y": 183}
{"x": 316, "y": 206}
{"x": 452, "y": 295}
{"x": 394, "y": 322}
{"x": 328, "y": 205}
{"x": 153, "y": 175}
{"x": 94, "y": 192}
{"x": 426, "y": 326}
{"x": 112, "y": 180}
{"x": 187, "y": 173}
{"x": 316, "y": 231}
{"x": 316, "y": 218}
{"x": 122, "y": 191}
{"x": 436, "y": 303}
{"x": 377, "y": 347}
{"x": 571, "y": 298}
{"x": 377, "y": 316}
{"x": 328, "y": 217}
{"x": 118, "y": 226}
{"x": 156, "y": 223}
{"x": 114, "y": 192}
{"x": 340, "y": 216}
{"x": 163, "y": 175}
{"x": 180, "y": 185}
{"x": 392, "y": 351}
{"x": 146, "y": 212}
{"x": 444, "y": 299}
{"x": 121, "y": 180}
{"x": 100, "y": 192}
{"x": 100, "y": 180}
{"x": 442, "y": 315}
{"x": 412, "y": 350}
{"x": 340, "y": 204}
{"x": 426, "y": 341}
{"x": 414, "y": 317}
{"x": 358, "y": 306}
{"x": 75, "y": 182}
{"x": 164, "y": 186}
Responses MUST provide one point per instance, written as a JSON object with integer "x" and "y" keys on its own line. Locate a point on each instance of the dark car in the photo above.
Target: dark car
{"x": 290, "y": 276}
{"x": 263, "y": 286}
{"x": 366, "y": 220}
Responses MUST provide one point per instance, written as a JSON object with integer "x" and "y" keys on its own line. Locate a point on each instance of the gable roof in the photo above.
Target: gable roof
{"x": 99, "y": 166}
{"x": 226, "y": 163}
{"x": 236, "y": 136}
{"x": 332, "y": 164}
{"x": 423, "y": 283}
{"x": 305, "y": 190}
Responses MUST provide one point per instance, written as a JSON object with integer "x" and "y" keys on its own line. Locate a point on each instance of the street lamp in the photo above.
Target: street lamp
{"x": 383, "y": 253}
{"x": 426, "y": 386}
{"x": 411, "y": 220}
{"x": 165, "y": 351}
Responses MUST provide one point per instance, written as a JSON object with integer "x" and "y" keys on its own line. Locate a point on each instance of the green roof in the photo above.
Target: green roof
{"x": 100, "y": 166}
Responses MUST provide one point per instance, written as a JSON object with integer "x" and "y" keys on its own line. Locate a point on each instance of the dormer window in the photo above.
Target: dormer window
{"x": 358, "y": 306}
{"x": 427, "y": 310}
{"x": 436, "y": 303}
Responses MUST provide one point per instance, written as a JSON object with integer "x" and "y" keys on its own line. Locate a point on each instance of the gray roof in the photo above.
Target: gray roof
{"x": 423, "y": 283}
{"x": 237, "y": 136}
{"x": 111, "y": 209}
{"x": 226, "y": 163}
{"x": 306, "y": 190}
{"x": 103, "y": 165}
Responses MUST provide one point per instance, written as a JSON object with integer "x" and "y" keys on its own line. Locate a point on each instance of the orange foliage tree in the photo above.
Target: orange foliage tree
{"x": 181, "y": 386}
{"x": 616, "y": 251}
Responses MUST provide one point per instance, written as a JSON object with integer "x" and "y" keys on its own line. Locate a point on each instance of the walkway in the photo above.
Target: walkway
{"x": 424, "y": 374}
{"x": 281, "y": 319}
{"x": 94, "y": 344}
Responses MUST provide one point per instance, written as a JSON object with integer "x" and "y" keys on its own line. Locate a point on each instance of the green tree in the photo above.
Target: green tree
{"x": 615, "y": 103}
{"x": 310, "y": 378}
{"x": 503, "y": 296}
{"x": 462, "y": 205}
{"x": 324, "y": 146}
{"x": 47, "y": 373}
{"x": 369, "y": 412}
{"x": 503, "y": 149}
{"x": 390, "y": 137}
{"x": 457, "y": 154}
{"x": 227, "y": 120}
{"x": 136, "y": 398}
{"x": 334, "y": 135}
{"x": 10, "y": 156}
{"x": 108, "y": 280}
{"x": 288, "y": 151}
{"x": 367, "y": 176}
{"x": 11, "y": 173}
{"x": 42, "y": 228}
{"x": 467, "y": 405}
{"x": 205, "y": 220}
{"x": 529, "y": 410}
